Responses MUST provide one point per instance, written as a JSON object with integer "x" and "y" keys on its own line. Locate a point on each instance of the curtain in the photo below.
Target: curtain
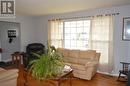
{"x": 55, "y": 33}
{"x": 101, "y": 39}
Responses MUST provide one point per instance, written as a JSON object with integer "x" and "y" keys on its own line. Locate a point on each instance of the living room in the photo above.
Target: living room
{"x": 34, "y": 22}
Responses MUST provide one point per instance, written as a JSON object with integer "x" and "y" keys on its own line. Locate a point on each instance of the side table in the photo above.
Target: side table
{"x": 17, "y": 58}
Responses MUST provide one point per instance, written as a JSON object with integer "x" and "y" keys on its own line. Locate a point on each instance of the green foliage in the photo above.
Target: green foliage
{"x": 48, "y": 65}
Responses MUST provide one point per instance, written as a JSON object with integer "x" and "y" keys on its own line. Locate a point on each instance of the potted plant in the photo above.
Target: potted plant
{"x": 48, "y": 65}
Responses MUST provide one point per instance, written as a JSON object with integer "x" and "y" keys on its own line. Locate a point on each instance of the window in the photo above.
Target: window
{"x": 70, "y": 34}
{"x": 76, "y": 34}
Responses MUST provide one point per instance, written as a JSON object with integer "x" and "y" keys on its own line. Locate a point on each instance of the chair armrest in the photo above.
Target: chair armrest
{"x": 25, "y": 59}
{"x": 8, "y": 74}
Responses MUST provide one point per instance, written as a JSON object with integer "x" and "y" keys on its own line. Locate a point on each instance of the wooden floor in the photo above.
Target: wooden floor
{"x": 98, "y": 80}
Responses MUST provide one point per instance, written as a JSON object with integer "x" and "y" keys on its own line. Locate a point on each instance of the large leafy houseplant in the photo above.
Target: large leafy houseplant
{"x": 48, "y": 65}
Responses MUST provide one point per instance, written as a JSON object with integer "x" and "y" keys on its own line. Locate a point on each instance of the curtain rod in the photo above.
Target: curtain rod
{"x": 111, "y": 14}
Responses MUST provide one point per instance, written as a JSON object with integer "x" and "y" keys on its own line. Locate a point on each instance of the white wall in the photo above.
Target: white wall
{"x": 28, "y": 29}
{"x": 121, "y": 48}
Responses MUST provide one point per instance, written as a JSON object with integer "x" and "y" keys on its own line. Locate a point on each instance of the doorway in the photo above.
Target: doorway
{"x": 9, "y": 39}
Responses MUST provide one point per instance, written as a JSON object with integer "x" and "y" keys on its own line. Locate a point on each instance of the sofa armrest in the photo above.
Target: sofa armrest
{"x": 1, "y": 69}
{"x": 8, "y": 74}
{"x": 91, "y": 63}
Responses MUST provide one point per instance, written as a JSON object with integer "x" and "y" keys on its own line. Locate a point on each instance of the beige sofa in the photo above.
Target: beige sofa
{"x": 8, "y": 77}
{"x": 83, "y": 63}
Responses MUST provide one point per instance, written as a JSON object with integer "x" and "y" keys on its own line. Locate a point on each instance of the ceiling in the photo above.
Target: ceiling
{"x": 45, "y": 7}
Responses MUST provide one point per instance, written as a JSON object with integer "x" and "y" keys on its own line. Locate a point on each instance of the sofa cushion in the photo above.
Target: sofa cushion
{"x": 74, "y": 53}
{"x": 89, "y": 54}
{"x": 70, "y": 60}
{"x": 66, "y": 52}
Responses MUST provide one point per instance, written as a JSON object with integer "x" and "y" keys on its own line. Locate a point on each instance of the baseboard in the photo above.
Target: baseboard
{"x": 110, "y": 74}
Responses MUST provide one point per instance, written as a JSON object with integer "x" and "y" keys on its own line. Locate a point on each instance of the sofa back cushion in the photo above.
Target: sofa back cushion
{"x": 60, "y": 50}
{"x": 72, "y": 56}
{"x": 70, "y": 60}
{"x": 74, "y": 53}
{"x": 89, "y": 54}
{"x": 66, "y": 52}
{"x": 63, "y": 51}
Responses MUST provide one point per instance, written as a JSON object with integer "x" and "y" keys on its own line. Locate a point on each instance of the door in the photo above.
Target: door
{"x": 10, "y": 43}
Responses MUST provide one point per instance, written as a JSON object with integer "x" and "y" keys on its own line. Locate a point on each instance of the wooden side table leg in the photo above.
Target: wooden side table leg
{"x": 20, "y": 60}
{"x": 12, "y": 59}
{"x": 17, "y": 60}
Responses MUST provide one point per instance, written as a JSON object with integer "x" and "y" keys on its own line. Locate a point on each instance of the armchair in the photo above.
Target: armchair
{"x": 30, "y": 49}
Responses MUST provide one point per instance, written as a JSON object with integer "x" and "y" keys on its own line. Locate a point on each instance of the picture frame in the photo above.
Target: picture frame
{"x": 126, "y": 29}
